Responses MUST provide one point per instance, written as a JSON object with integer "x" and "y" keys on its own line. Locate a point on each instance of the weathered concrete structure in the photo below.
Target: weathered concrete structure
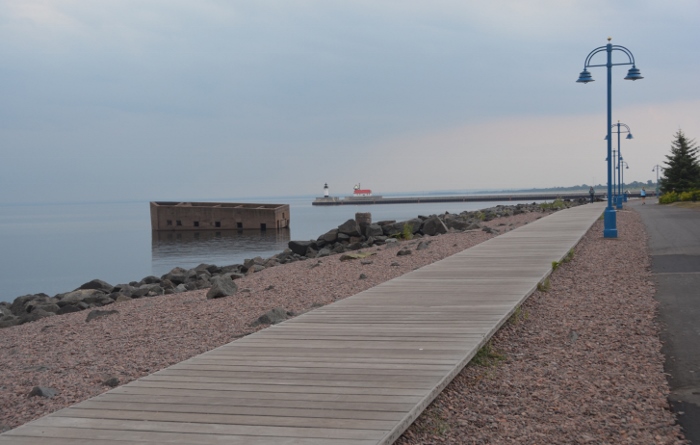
{"x": 218, "y": 216}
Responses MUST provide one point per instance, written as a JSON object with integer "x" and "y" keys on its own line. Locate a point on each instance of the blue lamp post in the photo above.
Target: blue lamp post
{"x": 657, "y": 167}
{"x": 621, "y": 170}
{"x": 610, "y": 218}
{"x": 619, "y": 196}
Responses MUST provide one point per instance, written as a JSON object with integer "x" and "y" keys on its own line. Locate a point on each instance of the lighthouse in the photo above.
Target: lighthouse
{"x": 325, "y": 190}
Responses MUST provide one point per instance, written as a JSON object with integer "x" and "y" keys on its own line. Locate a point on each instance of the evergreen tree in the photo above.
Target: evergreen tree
{"x": 682, "y": 172}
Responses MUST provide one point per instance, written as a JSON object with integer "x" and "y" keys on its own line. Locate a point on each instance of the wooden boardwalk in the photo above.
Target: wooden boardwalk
{"x": 355, "y": 372}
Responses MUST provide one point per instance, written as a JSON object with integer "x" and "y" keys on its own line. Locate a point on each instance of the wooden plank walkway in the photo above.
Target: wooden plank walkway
{"x": 355, "y": 372}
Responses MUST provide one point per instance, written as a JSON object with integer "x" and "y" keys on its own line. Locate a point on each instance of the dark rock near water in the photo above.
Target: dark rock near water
{"x": 97, "y": 285}
{"x": 433, "y": 226}
{"x": 350, "y": 228}
{"x": 222, "y": 287}
{"x": 151, "y": 279}
{"x": 300, "y": 247}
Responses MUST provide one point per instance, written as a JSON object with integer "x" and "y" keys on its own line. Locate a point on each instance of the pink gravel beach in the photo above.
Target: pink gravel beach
{"x": 580, "y": 364}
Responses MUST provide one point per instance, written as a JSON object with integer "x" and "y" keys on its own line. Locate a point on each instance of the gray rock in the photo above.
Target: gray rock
{"x": 423, "y": 245}
{"x": 112, "y": 382}
{"x": 404, "y": 252}
{"x": 98, "y": 285}
{"x": 177, "y": 275}
{"x": 97, "y": 313}
{"x": 272, "y": 316}
{"x": 259, "y": 267}
{"x": 48, "y": 307}
{"x": 350, "y": 228}
{"x": 84, "y": 295}
{"x": 433, "y": 226}
{"x": 125, "y": 289}
{"x": 43, "y": 391}
{"x": 248, "y": 263}
{"x": 121, "y": 298}
{"x": 222, "y": 286}
{"x": 7, "y": 321}
{"x": 180, "y": 288}
{"x": 36, "y": 314}
{"x": 374, "y": 230}
{"x": 329, "y": 237}
{"x": 151, "y": 279}
{"x": 151, "y": 290}
{"x": 300, "y": 247}
{"x": 324, "y": 252}
{"x": 19, "y": 305}
{"x": 70, "y": 308}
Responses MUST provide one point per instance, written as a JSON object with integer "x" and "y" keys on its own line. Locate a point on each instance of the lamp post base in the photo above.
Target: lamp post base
{"x": 610, "y": 223}
{"x": 618, "y": 202}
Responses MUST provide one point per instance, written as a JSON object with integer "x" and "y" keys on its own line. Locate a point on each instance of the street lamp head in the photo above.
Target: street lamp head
{"x": 634, "y": 74}
{"x": 585, "y": 77}
{"x": 629, "y": 136}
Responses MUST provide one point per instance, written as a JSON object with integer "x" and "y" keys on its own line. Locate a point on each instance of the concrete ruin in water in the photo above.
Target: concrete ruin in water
{"x": 176, "y": 216}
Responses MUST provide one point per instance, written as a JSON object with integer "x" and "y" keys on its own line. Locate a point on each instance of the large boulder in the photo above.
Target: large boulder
{"x": 300, "y": 247}
{"x": 151, "y": 279}
{"x": 98, "y": 285}
{"x": 350, "y": 228}
{"x": 374, "y": 230}
{"x": 179, "y": 275}
{"x": 87, "y": 296}
{"x": 433, "y": 226}
{"x": 222, "y": 286}
{"x": 329, "y": 237}
{"x": 19, "y": 305}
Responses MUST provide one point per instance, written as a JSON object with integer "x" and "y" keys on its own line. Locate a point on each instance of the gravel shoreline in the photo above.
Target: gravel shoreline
{"x": 582, "y": 364}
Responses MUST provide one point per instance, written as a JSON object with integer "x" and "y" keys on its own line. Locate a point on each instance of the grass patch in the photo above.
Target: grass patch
{"x": 543, "y": 286}
{"x": 557, "y": 204}
{"x": 569, "y": 256}
{"x": 433, "y": 422}
{"x": 487, "y": 356}
{"x": 406, "y": 232}
{"x": 555, "y": 265}
{"x": 518, "y": 315}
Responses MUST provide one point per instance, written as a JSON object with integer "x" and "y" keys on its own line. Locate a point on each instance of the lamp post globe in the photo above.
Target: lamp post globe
{"x": 609, "y": 216}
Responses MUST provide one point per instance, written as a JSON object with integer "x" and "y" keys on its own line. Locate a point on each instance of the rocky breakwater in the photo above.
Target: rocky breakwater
{"x": 352, "y": 235}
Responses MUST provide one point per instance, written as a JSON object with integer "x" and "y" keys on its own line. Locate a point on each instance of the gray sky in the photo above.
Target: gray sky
{"x": 174, "y": 99}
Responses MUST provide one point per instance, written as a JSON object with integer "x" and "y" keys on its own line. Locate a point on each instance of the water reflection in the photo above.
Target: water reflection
{"x": 191, "y": 248}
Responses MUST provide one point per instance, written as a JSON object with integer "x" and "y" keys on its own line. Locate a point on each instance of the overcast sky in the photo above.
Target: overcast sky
{"x": 170, "y": 99}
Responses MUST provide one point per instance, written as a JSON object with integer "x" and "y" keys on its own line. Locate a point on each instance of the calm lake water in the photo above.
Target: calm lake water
{"x": 55, "y": 248}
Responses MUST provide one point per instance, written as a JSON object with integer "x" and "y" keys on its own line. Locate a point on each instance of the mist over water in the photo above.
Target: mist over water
{"x": 54, "y": 248}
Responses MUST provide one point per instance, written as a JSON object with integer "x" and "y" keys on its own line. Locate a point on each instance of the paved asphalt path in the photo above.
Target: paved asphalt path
{"x": 674, "y": 245}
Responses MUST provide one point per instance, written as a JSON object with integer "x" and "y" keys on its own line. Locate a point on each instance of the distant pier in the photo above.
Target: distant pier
{"x": 364, "y": 200}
